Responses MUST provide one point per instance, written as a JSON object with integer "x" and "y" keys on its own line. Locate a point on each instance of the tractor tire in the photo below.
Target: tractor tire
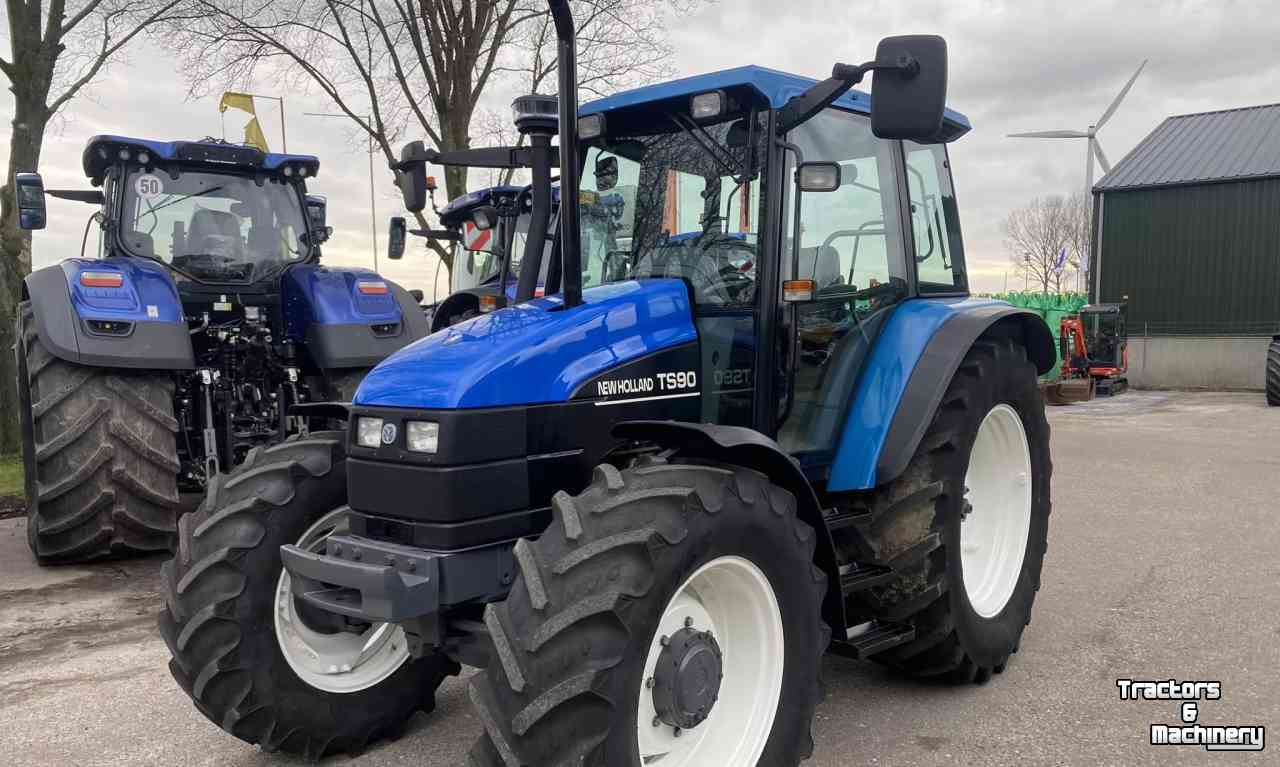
{"x": 229, "y": 615}
{"x": 581, "y": 643}
{"x": 965, "y": 633}
{"x": 100, "y": 454}
{"x": 1273, "y": 374}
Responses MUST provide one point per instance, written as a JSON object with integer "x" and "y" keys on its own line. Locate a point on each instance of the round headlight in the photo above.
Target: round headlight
{"x": 102, "y": 152}
{"x": 288, "y": 170}
{"x": 124, "y": 154}
{"x": 144, "y": 158}
{"x": 302, "y": 171}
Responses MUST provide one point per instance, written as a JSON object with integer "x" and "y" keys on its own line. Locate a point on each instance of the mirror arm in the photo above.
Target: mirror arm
{"x": 91, "y": 196}
{"x": 487, "y": 157}
{"x": 437, "y": 234}
{"x": 843, "y": 77}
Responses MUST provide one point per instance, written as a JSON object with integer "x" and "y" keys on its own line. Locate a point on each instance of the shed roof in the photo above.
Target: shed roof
{"x": 1229, "y": 145}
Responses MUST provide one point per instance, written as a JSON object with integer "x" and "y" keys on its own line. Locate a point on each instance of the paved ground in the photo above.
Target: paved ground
{"x": 1164, "y": 561}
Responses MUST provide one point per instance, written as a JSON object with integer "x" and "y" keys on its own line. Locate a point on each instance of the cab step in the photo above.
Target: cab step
{"x": 876, "y": 638}
{"x": 865, "y": 577}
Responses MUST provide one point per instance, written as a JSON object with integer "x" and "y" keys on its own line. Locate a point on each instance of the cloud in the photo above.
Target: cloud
{"x": 1014, "y": 66}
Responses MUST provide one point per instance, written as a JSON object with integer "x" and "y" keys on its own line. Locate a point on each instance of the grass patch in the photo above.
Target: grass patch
{"x": 11, "y": 475}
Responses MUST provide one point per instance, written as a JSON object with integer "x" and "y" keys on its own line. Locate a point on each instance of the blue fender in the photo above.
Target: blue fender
{"x": 914, "y": 359}
{"x": 536, "y": 352}
{"x": 350, "y": 317}
{"x": 138, "y": 324}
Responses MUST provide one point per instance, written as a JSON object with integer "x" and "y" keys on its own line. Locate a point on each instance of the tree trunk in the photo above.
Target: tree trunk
{"x": 30, "y": 118}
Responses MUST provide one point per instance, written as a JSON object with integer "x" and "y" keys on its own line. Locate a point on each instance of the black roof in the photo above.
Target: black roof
{"x": 1229, "y": 145}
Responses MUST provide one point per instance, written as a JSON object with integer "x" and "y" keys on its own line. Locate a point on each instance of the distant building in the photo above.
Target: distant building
{"x": 1187, "y": 233}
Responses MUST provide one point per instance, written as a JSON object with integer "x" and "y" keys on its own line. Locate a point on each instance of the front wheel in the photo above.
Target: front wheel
{"x": 259, "y": 663}
{"x": 1273, "y": 373}
{"x": 671, "y": 614}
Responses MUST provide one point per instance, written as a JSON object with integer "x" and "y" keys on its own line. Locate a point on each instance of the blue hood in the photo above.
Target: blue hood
{"x": 534, "y": 353}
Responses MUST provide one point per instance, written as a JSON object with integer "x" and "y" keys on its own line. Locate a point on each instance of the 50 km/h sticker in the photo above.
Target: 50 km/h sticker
{"x": 148, "y": 186}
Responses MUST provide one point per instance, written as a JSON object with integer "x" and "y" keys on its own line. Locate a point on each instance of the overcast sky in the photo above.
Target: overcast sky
{"x": 1013, "y": 67}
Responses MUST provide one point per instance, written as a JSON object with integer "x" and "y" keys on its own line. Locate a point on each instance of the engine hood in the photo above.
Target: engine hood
{"x": 535, "y": 353}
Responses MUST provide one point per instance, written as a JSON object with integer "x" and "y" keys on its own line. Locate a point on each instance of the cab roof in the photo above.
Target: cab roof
{"x": 776, "y": 87}
{"x": 103, "y": 151}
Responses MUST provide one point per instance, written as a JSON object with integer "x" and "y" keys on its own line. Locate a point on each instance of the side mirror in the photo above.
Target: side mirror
{"x": 818, "y": 176}
{"x": 417, "y": 294}
{"x": 28, "y": 192}
{"x": 606, "y": 173}
{"x": 395, "y": 240}
{"x": 411, "y": 176}
{"x": 909, "y": 97}
{"x": 317, "y": 207}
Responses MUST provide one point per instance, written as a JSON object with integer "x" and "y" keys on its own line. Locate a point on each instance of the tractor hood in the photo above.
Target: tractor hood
{"x": 535, "y": 353}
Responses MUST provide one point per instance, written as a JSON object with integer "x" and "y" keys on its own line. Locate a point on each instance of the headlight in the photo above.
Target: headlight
{"x": 423, "y": 436}
{"x": 369, "y": 432}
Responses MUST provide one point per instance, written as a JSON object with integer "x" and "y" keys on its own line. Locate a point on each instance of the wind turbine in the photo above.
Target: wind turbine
{"x": 1093, "y": 148}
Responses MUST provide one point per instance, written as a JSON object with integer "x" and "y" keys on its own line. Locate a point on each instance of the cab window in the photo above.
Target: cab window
{"x": 935, "y": 223}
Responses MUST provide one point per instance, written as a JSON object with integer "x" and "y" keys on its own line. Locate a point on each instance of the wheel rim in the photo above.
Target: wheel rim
{"x": 732, "y": 599}
{"x": 342, "y": 662}
{"x": 996, "y": 519}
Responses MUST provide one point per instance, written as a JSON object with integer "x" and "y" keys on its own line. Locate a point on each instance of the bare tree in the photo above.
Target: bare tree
{"x": 56, "y": 52}
{"x": 417, "y": 67}
{"x": 1079, "y": 232}
{"x": 1038, "y": 238}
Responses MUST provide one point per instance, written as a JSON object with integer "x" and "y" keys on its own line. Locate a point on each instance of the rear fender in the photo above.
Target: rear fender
{"x": 752, "y": 450}
{"x": 138, "y": 325}
{"x": 909, "y": 370}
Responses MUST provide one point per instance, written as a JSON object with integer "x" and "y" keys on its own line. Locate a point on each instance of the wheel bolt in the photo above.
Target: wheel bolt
{"x": 649, "y": 683}
{"x": 688, "y": 623}
{"x": 678, "y": 732}
{"x": 665, "y": 640}
{"x": 657, "y": 722}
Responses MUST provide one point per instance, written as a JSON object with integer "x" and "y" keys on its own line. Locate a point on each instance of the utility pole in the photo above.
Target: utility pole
{"x": 373, "y": 209}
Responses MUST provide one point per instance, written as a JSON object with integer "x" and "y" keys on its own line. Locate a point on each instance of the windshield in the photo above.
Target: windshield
{"x": 677, "y": 204}
{"x": 213, "y": 226}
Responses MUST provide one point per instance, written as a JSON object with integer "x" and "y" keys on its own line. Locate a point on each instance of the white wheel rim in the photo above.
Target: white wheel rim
{"x": 344, "y": 662}
{"x": 733, "y": 599}
{"x": 994, "y": 529}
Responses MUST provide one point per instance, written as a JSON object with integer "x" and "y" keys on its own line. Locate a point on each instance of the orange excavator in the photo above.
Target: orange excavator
{"x": 1095, "y": 355}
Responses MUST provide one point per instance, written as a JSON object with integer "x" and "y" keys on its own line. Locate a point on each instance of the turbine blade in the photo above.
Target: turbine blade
{"x": 1119, "y": 97}
{"x": 1102, "y": 158}
{"x": 1051, "y": 134}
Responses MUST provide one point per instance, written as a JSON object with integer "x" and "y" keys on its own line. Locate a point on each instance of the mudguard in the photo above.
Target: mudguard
{"x": 137, "y": 325}
{"x": 914, "y": 359}
{"x": 750, "y": 449}
{"x": 348, "y": 318}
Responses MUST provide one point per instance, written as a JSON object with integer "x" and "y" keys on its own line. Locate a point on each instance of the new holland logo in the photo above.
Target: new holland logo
{"x": 388, "y": 433}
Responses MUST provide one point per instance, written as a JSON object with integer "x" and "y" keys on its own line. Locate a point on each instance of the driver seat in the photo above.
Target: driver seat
{"x": 213, "y": 231}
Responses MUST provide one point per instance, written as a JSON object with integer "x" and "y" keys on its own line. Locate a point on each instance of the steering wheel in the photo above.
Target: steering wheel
{"x": 723, "y": 282}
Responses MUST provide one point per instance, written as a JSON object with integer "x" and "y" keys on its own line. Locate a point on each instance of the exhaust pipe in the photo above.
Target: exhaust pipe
{"x": 570, "y": 239}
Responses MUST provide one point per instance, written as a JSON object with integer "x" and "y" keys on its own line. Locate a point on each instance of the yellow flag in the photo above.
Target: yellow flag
{"x": 241, "y": 101}
{"x": 253, "y": 135}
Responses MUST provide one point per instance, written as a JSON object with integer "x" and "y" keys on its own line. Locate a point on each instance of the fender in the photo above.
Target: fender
{"x": 917, "y": 354}
{"x": 348, "y": 318}
{"x": 138, "y": 325}
{"x": 750, "y": 449}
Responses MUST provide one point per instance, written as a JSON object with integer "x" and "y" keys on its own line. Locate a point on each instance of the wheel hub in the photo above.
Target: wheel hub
{"x": 686, "y": 681}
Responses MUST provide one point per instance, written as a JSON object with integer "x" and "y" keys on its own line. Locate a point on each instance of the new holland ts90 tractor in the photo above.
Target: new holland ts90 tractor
{"x": 646, "y": 508}
{"x": 179, "y": 349}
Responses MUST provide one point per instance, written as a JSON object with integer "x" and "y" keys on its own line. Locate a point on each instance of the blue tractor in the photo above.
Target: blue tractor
{"x": 647, "y": 507}
{"x": 180, "y": 345}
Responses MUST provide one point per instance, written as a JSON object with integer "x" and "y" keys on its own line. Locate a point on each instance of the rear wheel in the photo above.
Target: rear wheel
{"x": 670, "y": 615}
{"x": 966, "y": 524}
{"x": 1273, "y": 373}
{"x": 100, "y": 454}
{"x": 264, "y": 667}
